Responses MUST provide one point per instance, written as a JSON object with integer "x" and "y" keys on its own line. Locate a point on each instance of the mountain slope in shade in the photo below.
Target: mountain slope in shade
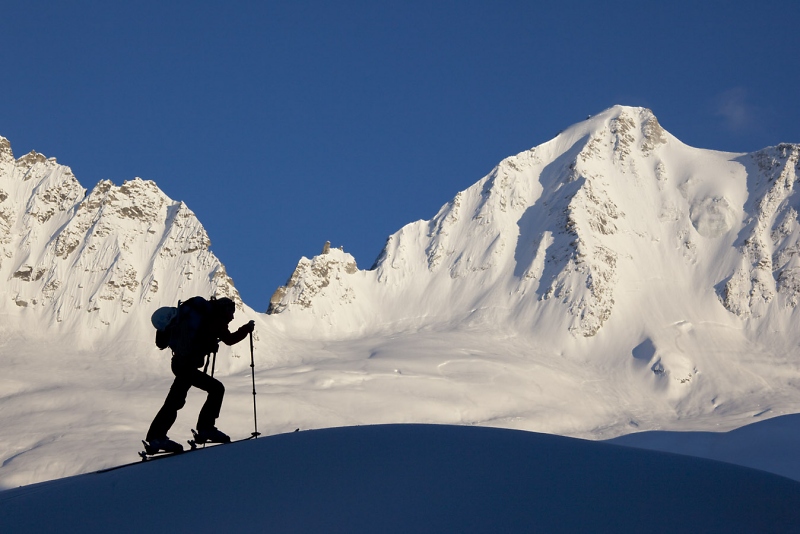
{"x": 414, "y": 478}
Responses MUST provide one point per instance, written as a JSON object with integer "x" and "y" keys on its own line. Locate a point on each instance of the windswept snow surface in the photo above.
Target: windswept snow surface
{"x": 612, "y": 280}
{"x": 412, "y": 478}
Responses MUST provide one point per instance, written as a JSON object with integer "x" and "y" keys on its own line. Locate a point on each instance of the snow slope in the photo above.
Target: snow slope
{"x": 612, "y": 280}
{"x": 770, "y": 445}
{"x": 412, "y": 478}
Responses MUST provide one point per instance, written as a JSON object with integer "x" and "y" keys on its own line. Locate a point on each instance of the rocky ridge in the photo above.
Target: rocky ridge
{"x": 769, "y": 271}
{"x": 72, "y": 257}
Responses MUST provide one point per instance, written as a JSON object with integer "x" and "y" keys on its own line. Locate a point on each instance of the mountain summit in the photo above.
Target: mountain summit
{"x": 610, "y": 222}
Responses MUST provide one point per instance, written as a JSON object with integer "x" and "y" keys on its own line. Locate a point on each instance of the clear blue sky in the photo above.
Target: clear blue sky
{"x": 284, "y": 124}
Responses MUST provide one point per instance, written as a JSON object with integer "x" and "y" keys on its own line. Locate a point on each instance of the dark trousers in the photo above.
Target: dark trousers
{"x": 185, "y": 378}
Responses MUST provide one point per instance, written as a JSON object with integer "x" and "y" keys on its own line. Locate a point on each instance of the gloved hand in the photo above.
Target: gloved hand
{"x": 249, "y": 327}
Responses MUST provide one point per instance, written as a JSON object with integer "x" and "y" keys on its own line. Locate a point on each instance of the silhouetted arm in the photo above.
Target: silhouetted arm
{"x": 232, "y": 338}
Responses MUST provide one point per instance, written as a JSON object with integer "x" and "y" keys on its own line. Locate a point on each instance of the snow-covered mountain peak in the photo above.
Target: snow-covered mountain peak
{"x": 325, "y": 274}
{"x": 87, "y": 260}
{"x": 622, "y": 129}
{"x": 569, "y": 236}
{"x": 6, "y": 155}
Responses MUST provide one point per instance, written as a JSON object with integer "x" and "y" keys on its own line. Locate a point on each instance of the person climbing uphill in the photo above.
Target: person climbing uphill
{"x": 193, "y": 333}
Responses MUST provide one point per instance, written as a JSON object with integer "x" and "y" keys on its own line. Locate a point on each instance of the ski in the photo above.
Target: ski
{"x": 159, "y": 455}
{"x": 152, "y": 456}
{"x": 194, "y": 445}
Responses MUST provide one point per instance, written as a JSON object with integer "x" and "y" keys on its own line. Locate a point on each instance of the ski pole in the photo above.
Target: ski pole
{"x": 213, "y": 364}
{"x": 256, "y": 433}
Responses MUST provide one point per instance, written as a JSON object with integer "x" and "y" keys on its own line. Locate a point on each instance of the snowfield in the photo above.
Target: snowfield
{"x": 612, "y": 283}
{"x": 412, "y": 478}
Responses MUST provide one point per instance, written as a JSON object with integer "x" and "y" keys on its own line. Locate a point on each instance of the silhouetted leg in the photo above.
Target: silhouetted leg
{"x": 166, "y": 416}
{"x": 215, "y": 389}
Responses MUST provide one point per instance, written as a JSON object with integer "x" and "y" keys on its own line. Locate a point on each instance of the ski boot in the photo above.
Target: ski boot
{"x": 210, "y": 435}
{"x": 162, "y": 445}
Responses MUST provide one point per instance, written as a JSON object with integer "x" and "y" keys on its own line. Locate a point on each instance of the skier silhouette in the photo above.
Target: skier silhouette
{"x": 215, "y": 315}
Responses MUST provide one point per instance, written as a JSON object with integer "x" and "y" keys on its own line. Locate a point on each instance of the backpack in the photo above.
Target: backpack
{"x": 187, "y": 329}
{"x": 162, "y": 321}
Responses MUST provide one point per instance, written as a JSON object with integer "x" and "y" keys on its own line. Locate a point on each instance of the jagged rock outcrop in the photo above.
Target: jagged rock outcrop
{"x": 324, "y": 276}
{"x": 769, "y": 266}
{"x": 93, "y": 258}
